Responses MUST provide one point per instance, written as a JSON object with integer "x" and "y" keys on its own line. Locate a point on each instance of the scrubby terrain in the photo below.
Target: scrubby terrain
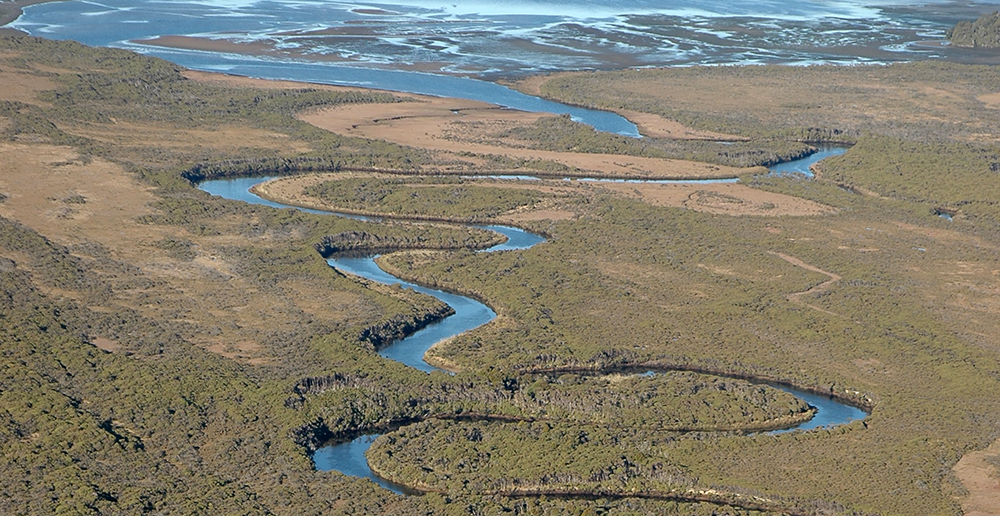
{"x": 169, "y": 352}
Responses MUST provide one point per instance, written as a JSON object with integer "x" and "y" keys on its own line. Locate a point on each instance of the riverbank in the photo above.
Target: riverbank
{"x": 462, "y": 130}
{"x": 716, "y": 198}
{"x": 716, "y": 496}
{"x": 10, "y": 11}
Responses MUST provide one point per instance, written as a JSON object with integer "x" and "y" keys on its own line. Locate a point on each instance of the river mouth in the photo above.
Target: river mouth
{"x": 510, "y": 39}
{"x": 349, "y": 457}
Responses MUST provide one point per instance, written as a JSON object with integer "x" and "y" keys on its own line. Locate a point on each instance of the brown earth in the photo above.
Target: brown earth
{"x": 131, "y": 136}
{"x": 656, "y": 126}
{"x": 991, "y": 100}
{"x": 53, "y": 191}
{"x": 426, "y": 123}
{"x": 531, "y": 85}
{"x": 106, "y": 344}
{"x": 979, "y": 473}
{"x": 22, "y": 86}
{"x": 720, "y": 199}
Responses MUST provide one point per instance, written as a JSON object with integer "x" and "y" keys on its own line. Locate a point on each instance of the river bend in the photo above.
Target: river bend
{"x": 348, "y": 457}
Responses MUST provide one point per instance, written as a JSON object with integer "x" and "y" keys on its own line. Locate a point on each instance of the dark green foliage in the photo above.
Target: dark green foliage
{"x": 983, "y": 32}
{"x": 184, "y": 250}
{"x": 437, "y": 197}
{"x": 164, "y": 429}
{"x": 951, "y": 176}
{"x": 368, "y": 243}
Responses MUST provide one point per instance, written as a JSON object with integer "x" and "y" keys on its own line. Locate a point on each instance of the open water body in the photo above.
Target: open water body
{"x": 801, "y": 166}
{"x": 488, "y": 38}
{"x": 349, "y": 457}
{"x": 419, "y": 47}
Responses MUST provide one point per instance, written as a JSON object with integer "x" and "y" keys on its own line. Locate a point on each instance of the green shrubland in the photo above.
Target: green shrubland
{"x": 564, "y": 135}
{"x": 436, "y": 197}
{"x": 984, "y": 32}
{"x": 541, "y": 417}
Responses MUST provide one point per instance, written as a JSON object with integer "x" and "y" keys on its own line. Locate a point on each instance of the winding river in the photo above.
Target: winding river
{"x": 349, "y": 457}
{"x": 802, "y": 166}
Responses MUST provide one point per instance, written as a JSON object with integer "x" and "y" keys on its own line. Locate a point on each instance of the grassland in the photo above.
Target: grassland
{"x": 169, "y": 352}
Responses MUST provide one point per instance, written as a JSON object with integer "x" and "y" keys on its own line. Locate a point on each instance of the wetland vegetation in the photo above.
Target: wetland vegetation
{"x": 169, "y": 352}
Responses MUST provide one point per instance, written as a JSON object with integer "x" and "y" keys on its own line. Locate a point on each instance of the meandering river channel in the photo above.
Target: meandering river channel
{"x": 349, "y": 457}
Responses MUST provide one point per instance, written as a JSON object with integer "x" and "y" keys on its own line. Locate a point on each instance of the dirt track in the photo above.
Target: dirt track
{"x": 796, "y": 297}
{"x": 979, "y": 473}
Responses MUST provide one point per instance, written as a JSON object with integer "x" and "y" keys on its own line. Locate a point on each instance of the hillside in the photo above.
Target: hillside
{"x": 170, "y": 352}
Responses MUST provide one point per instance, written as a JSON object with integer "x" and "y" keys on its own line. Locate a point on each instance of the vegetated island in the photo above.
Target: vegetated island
{"x": 984, "y": 32}
{"x": 166, "y": 351}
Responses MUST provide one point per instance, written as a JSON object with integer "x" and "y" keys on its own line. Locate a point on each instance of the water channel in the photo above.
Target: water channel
{"x": 348, "y": 457}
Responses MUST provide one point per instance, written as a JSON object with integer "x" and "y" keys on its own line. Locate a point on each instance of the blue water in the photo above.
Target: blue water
{"x": 489, "y": 39}
{"x": 801, "y": 166}
{"x": 379, "y": 45}
{"x": 390, "y": 45}
{"x": 349, "y": 457}
{"x": 410, "y": 350}
{"x": 238, "y": 189}
{"x": 469, "y": 313}
{"x": 118, "y": 23}
{"x": 829, "y": 412}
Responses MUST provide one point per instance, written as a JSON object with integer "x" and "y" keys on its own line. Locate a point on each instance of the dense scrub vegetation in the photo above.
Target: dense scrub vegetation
{"x": 109, "y": 408}
{"x": 368, "y": 243}
{"x": 436, "y": 197}
{"x": 112, "y": 405}
{"x": 984, "y": 32}
{"x": 562, "y": 134}
{"x": 921, "y": 101}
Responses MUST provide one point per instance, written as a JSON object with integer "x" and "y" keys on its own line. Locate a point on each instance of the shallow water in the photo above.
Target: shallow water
{"x": 495, "y": 38}
{"x": 390, "y": 45}
{"x": 801, "y": 166}
{"x": 349, "y": 457}
{"x": 469, "y": 313}
{"x": 829, "y": 412}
